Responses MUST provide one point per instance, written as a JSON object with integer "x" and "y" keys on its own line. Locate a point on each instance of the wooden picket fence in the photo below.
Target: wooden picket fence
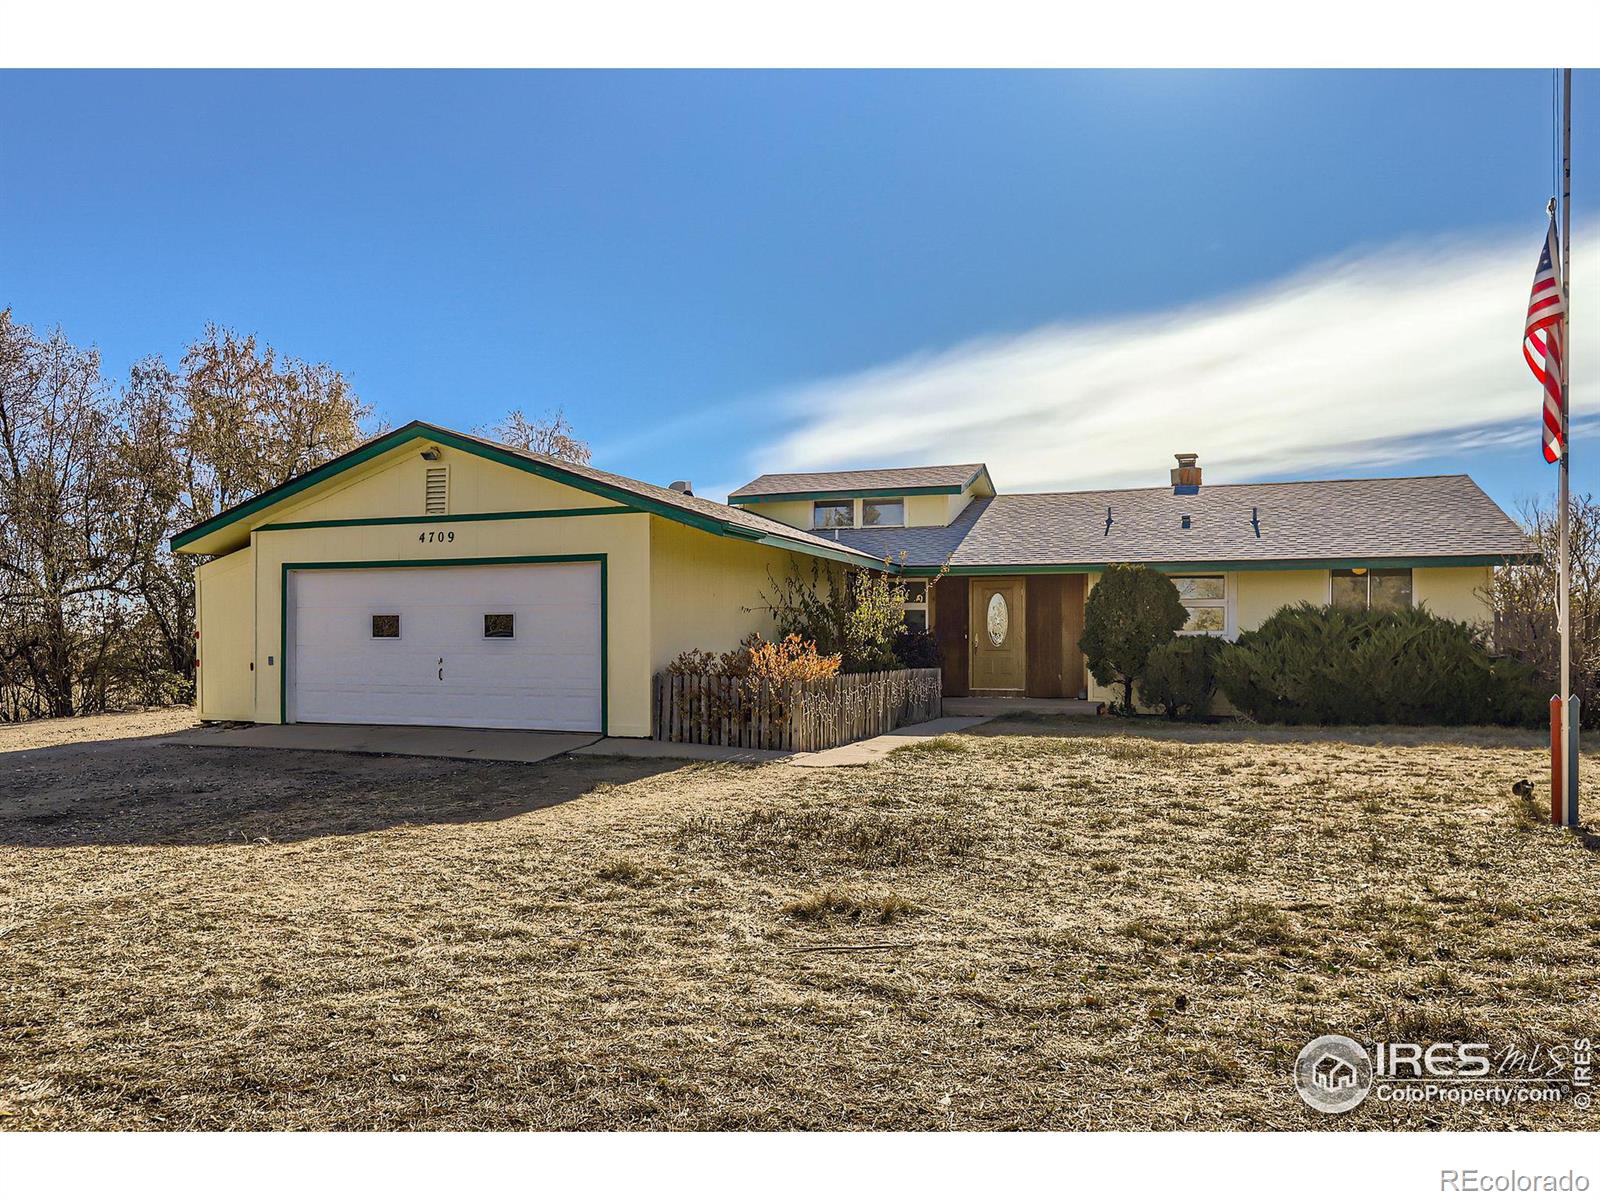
{"x": 731, "y": 710}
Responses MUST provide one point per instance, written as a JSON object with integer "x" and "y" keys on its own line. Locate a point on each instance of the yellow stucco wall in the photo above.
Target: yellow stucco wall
{"x": 791, "y": 512}
{"x": 707, "y": 592}
{"x": 225, "y": 615}
{"x": 668, "y": 587}
{"x": 1460, "y": 593}
{"x": 392, "y": 486}
{"x": 249, "y": 625}
{"x": 1262, "y": 593}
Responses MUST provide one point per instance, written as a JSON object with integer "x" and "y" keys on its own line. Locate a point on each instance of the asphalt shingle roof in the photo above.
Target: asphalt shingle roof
{"x": 726, "y": 513}
{"x": 1436, "y": 516}
{"x": 952, "y": 476}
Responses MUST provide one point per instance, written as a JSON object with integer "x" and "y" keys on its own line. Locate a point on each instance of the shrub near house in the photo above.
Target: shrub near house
{"x": 1132, "y": 611}
{"x": 1180, "y": 677}
{"x": 1336, "y": 666}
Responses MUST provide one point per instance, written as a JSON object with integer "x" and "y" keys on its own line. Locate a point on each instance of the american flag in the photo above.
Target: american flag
{"x": 1541, "y": 340}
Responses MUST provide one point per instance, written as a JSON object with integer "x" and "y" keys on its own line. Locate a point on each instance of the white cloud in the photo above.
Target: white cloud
{"x": 1367, "y": 362}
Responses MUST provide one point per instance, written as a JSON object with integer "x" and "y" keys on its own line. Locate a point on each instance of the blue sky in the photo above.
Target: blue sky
{"x": 1065, "y": 273}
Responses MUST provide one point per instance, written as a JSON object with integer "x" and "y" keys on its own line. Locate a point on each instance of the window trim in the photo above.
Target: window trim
{"x": 1228, "y": 604}
{"x": 900, "y": 524}
{"x": 851, "y": 505}
{"x": 1367, "y": 574}
{"x": 923, "y": 606}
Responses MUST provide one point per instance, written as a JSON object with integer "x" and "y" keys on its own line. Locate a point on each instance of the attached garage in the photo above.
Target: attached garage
{"x": 433, "y": 578}
{"x": 509, "y": 646}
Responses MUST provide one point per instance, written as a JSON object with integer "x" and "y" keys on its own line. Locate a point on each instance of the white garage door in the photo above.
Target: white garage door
{"x": 496, "y": 647}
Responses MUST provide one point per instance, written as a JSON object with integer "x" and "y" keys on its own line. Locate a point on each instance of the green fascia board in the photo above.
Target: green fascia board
{"x": 1267, "y": 564}
{"x": 297, "y": 485}
{"x": 844, "y": 554}
{"x": 849, "y": 494}
{"x": 421, "y": 430}
{"x": 528, "y": 515}
{"x": 635, "y": 502}
{"x": 381, "y": 564}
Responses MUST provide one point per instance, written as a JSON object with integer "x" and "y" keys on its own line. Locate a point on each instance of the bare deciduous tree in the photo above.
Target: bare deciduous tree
{"x": 95, "y": 610}
{"x": 1524, "y": 600}
{"x": 73, "y": 519}
{"x": 251, "y": 419}
{"x": 553, "y": 435}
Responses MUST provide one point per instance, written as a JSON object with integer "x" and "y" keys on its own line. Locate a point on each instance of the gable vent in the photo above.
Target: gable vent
{"x": 436, "y": 492}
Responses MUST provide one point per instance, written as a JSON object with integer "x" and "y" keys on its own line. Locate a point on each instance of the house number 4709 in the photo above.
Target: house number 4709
{"x": 437, "y": 535}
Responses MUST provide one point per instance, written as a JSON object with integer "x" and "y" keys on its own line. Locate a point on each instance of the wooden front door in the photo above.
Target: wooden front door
{"x": 997, "y": 625}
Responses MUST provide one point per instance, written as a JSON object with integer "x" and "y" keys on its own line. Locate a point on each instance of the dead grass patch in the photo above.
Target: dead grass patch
{"x": 943, "y": 744}
{"x": 1117, "y": 925}
{"x": 850, "y": 906}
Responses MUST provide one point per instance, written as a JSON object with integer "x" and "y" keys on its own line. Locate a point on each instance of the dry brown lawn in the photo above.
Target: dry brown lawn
{"x": 1069, "y": 926}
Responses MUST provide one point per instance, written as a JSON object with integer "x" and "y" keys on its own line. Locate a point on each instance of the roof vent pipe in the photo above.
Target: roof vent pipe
{"x": 1186, "y": 475}
{"x": 682, "y": 485}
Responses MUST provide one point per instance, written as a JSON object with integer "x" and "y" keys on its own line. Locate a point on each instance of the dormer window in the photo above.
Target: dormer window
{"x": 880, "y": 513}
{"x": 833, "y": 514}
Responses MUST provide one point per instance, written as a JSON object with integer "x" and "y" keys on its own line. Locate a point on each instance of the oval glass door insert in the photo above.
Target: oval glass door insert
{"x": 999, "y": 619}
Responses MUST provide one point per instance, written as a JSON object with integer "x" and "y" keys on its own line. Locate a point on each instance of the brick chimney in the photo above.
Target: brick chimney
{"x": 1186, "y": 475}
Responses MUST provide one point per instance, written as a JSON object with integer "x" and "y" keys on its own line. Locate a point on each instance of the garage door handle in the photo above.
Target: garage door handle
{"x": 441, "y": 670}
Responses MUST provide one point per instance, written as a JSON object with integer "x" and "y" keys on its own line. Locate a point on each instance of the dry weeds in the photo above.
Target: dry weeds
{"x": 1093, "y": 927}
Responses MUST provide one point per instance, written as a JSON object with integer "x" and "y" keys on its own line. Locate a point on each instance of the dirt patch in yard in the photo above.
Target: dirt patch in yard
{"x": 1111, "y": 928}
{"x": 112, "y": 727}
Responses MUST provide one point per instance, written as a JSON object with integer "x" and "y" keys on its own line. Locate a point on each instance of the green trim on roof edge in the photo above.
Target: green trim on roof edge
{"x": 850, "y": 494}
{"x": 422, "y": 430}
{"x": 531, "y": 514}
{"x": 944, "y": 489}
{"x": 1266, "y": 564}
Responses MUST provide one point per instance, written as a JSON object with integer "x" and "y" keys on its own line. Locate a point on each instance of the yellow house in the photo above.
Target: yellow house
{"x": 433, "y": 578}
{"x": 1010, "y": 573}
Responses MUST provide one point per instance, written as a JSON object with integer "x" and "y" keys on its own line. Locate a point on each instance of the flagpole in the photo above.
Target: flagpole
{"x": 1564, "y": 601}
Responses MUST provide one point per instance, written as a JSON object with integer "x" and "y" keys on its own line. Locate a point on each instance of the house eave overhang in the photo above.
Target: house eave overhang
{"x": 220, "y": 534}
{"x": 741, "y": 499}
{"x": 1236, "y": 564}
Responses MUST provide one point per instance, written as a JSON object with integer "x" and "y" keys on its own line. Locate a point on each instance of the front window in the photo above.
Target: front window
{"x": 833, "y": 514}
{"x": 883, "y": 512}
{"x": 1363, "y": 587}
{"x": 915, "y": 605}
{"x": 1206, "y": 599}
{"x": 499, "y": 625}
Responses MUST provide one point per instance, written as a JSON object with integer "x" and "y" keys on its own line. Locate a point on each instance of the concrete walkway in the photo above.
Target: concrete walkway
{"x": 423, "y": 741}
{"x": 688, "y": 751}
{"x": 872, "y": 750}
